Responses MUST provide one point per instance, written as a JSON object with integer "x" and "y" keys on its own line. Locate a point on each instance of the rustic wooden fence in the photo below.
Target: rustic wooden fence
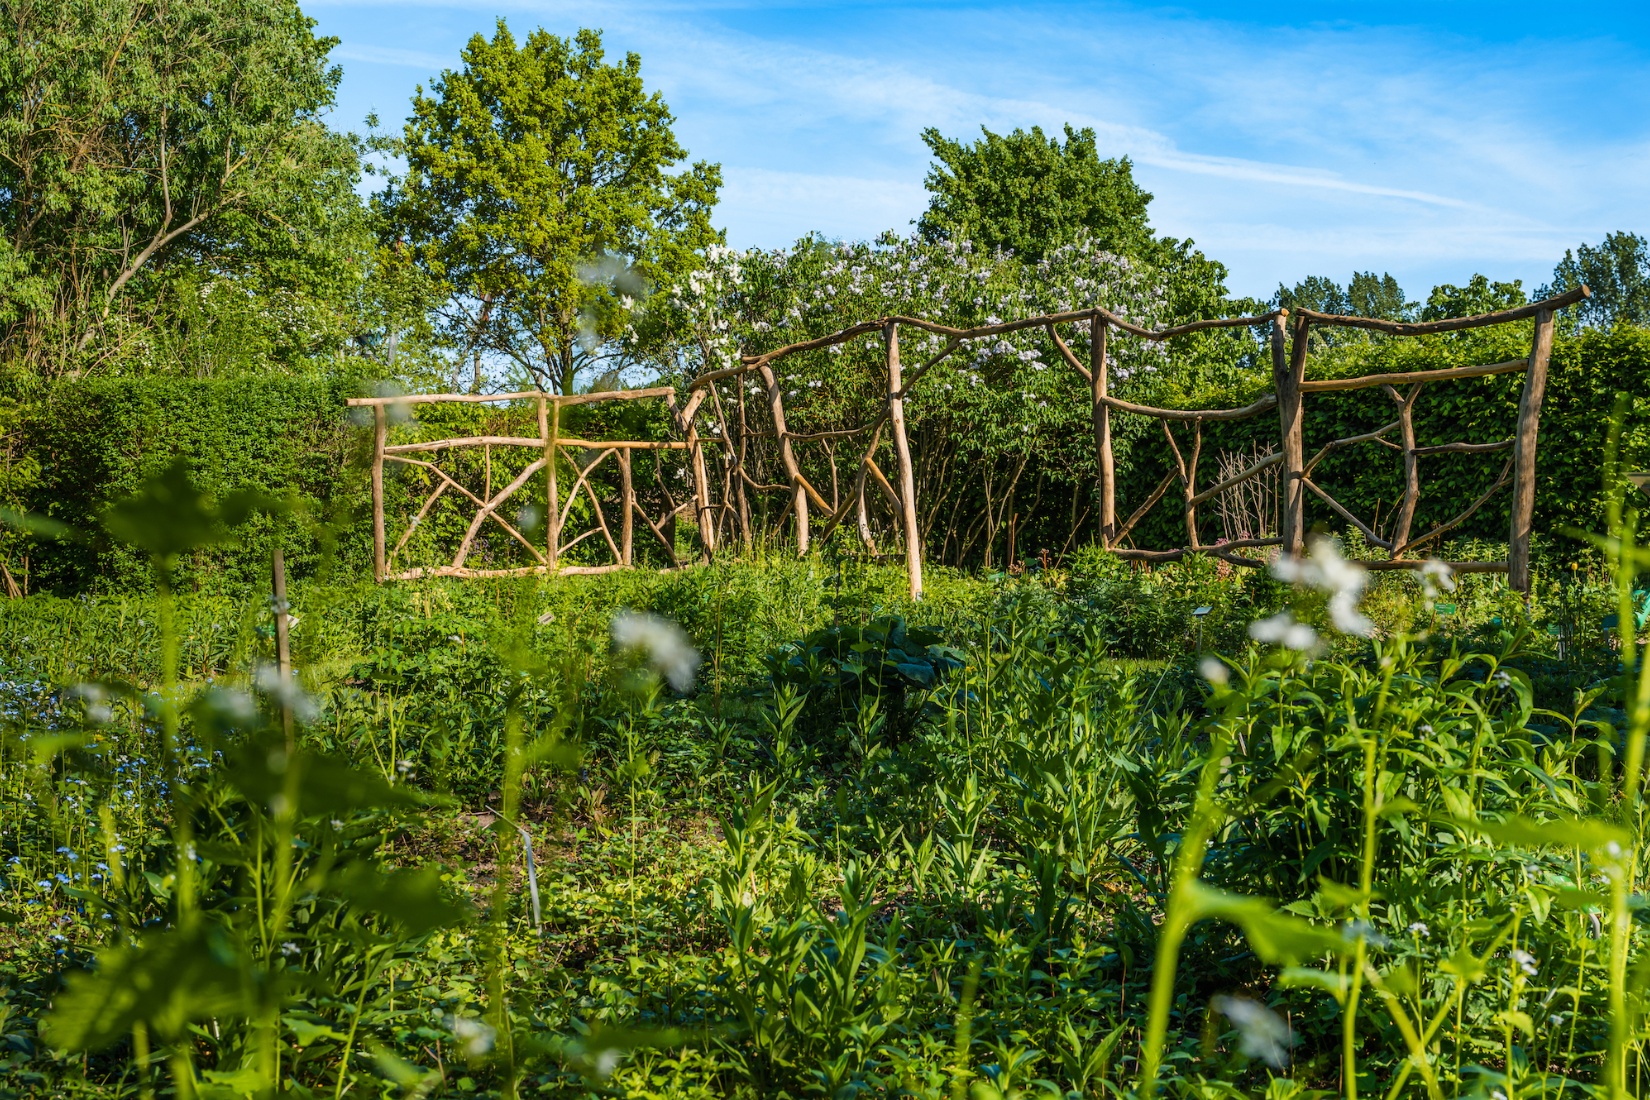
{"x": 722, "y": 504}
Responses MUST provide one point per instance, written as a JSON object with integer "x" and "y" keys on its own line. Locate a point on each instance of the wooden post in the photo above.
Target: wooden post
{"x": 701, "y": 482}
{"x": 799, "y": 495}
{"x": 552, "y": 491}
{"x": 902, "y": 450}
{"x": 627, "y": 494}
{"x": 1098, "y": 371}
{"x": 1412, "y": 465}
{"x": 379, "y": 429}
{"x": 283, "y": 643}
{"x": 1524, "y": 441}
{"x": 1288, "y": 371}
{"x": 1191, "y": 484}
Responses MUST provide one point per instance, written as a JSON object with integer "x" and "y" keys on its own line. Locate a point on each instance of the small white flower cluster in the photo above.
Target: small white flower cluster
{"x": 666, "y": 647}
{"x": 1262, "y": 1033}
{"x": 475, "y": 1037}
{"x": 1325, "y": 570}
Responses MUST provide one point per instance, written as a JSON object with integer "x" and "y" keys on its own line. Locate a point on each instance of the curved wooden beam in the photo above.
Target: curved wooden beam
{"x": 1337, "y": 385}
{"x": 1448, "y": 324}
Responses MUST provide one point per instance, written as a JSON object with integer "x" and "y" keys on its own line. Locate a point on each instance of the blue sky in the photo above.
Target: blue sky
{"x": 1431, "y": 140}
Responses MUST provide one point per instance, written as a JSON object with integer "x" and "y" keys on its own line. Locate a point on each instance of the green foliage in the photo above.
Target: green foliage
{"x": 285, "y": 438}
{"x": 1026, "y": 192}
{"x": 537, "y": 195}
{"x": 153, "y": 151}
{"x": 970, "y": 885}
{"x": 1366, "y": 295}
{"x": 1480, "y": 295}
{"x": 1617, "y": 271}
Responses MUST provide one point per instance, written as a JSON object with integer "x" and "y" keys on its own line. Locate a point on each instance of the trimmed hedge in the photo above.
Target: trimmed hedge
{"x": 98, "y": 439}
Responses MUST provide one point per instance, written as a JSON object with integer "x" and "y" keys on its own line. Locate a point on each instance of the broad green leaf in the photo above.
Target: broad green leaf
{"x": 167, "y": 982}
{"x": 1572, "y": 832}
{"x": 1275, "y": 936}
{"x": 411, "y": 898}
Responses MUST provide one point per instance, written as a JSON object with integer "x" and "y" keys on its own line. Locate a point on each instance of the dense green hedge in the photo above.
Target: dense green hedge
{"x": 98, "y": 439}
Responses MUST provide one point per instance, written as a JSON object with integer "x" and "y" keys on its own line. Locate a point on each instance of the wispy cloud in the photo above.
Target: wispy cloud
{"x": 1428, "y": 150}
{"x": 401, "y": 59}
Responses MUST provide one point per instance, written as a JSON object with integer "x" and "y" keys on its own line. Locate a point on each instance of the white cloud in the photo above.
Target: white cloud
{"x": 1283, "y": 151}
{"x": 403, "y": 59}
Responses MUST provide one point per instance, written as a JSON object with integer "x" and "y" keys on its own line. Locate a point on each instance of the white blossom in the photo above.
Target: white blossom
{"x": 1282, "y": 629}
{"x": 667, "y": 648}
{"x": 475, "y": 1036}
{"x": 1262, "y": 1033}
{"x": 1324, "y": 569}
{"x": 1435, "y": 576}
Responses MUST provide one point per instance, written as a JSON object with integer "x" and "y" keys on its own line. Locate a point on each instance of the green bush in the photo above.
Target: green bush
{"x": 98, "y": 439}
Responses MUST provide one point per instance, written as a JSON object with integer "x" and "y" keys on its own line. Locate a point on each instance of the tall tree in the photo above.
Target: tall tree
{"x": 537, "y": 193}
{"x": 1367, "y": 295}
{"x": 1480, "y": 295}
{"x": 1029, "y": 193}
{"x": 132, "y": 131}
{"x": 1617, "y": 271}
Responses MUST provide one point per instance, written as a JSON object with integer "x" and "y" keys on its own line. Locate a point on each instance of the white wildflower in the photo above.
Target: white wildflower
{"x": 1285, "y": 631}
{"x": 1419, "y": 928}
{"x": 284, "y": 690}
{"x": 1324, "y": 569}
{"x": 1354, "y": 930}
{"x": 1436, "y": 576}
{"x": 667, "y": 647}
{"x": 1263, "y": 1033}
{"x": 1214, "y": 670}
{"x": 1525, "y": 961}
{"x": 475, "y": 1036}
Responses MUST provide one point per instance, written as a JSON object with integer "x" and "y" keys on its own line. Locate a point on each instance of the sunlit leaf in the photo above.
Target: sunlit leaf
{"x": 167, "y": 981}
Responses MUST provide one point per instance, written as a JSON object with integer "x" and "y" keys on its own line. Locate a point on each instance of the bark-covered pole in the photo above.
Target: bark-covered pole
{"x": 902, "y": 450}
{"x": 1524, "y": 441}
{"x": 379, "y": 431}
{"x": 1288, "y": 370}
{"x": 1102, "y": 430}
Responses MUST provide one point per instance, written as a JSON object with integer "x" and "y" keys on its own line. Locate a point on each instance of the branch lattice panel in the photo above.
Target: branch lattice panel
{"x": 757, "y": 456}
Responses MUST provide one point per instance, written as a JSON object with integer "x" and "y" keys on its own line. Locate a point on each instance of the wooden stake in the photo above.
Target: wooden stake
{"x": 1098, "y": 371}
{"x": 552, "y": 492}
{"x": 1412, "y": 467}
{"x": 799, "y": 493}
{"x": 701, "y": 478}
{"x": 283, "y": 643}
{"x": 627, "y": 493}
{"x": 379, "y": 430}
{"x": 1191, "y": 486}
{"x": 1523, "y": 472}
{"x": 1287, "y": 372}
{"x": 902, "y": 450}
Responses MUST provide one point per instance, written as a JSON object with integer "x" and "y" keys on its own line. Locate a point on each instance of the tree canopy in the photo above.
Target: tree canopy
{"x": 1617, "y": 271}
{"x": 135, "y": 135}
{"x": 1365, "y": 295}
{"x": 537, "y": 193}
{"x": 1027, "y": 192}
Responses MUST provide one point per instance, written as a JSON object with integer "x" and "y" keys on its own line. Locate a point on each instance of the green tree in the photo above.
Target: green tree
{"x": 135, "y": 133}
{"x": 537, "y": 194}
{"x": 1028, "y": 193}
{"x": 1478, "y": 296}
{"x": 1367, "y": 295}
{"x": 1617, "y": 271}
